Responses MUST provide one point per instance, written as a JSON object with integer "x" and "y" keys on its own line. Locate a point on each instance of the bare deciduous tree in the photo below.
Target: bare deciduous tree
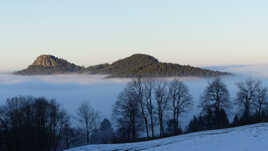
{"x": 148, "y": 90}
{"x": 181, "y": 100}
{"x": 215, "y": 97}
{"x": 246, "y": 95}
{"x": 126, "y": 112}
{"x": 162, "y": 99}
{"x": 260, "y": 102}
{"x": 215, "y": 101}
{"x": 138, "y": 87}
{"x": 87, "y": 116}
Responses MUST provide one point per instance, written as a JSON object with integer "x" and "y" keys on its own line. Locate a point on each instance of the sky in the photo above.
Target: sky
{"x": 88, "y": 32}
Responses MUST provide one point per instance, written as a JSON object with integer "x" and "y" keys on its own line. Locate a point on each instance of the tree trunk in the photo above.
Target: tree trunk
{"x": 133, "y": 125}
{"x": 246, "y": 114}
{"x": 147, "y": 127}
{"x": 259, "y": 113}
{"x": 152, "y": 123}
{"x": 177, "y": 123}
{"x": 87, "y": 136}
{"x": 145, "y": 119}
{"x": 161, "y": 125}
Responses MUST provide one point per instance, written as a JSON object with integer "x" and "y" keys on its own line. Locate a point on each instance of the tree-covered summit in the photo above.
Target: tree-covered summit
{"x": 148, "y": 66}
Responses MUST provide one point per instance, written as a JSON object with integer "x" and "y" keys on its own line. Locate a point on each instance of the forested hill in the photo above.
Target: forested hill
{"x": 48, "y": 64}
{"x": 133, "y": 66}
{"x": 148, "y": 66}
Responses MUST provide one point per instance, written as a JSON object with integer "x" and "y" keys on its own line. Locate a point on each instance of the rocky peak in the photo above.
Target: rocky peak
{"x": 47, "y": 61}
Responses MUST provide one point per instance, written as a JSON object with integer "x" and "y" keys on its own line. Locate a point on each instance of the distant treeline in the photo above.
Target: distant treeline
{"x": 145, "y": 106}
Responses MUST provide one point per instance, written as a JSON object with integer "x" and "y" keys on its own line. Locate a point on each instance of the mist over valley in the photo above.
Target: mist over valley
{"x": 70, "y": 90}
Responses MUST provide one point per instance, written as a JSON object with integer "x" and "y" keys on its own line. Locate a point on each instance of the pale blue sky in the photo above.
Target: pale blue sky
{"x": 87, "y": 32}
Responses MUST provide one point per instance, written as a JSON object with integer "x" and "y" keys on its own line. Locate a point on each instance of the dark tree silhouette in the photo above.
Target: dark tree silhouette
{"x": 194, "y": 125}
{"x": 246, "y": 97}
{"x": 214, "y": 102}
{"x": 236, "y": 121}
{"x": 106, "y": 132}
{"x": 181, "y": 101}
{"x": 162, "y": 100}
{"x": 137, "y": 87}
{"x": 87, "y": 117}
{"x": 215, "y": 97}
{"x": 171, "y": 129}
{"x": 260, "y": 102}
{"x": 126, "y": 113}
{"x": 32, "y": 124}
{"x": 148, "y": 91}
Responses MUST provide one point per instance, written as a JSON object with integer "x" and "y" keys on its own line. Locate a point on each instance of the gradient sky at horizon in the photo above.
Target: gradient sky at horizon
{"x": 87, "y": 32}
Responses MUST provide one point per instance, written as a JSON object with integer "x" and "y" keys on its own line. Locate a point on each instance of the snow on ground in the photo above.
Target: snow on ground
{"x": 245, "y": 138}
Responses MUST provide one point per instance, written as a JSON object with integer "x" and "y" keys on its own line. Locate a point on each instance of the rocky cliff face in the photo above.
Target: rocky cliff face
{"x": 46, "y": 61}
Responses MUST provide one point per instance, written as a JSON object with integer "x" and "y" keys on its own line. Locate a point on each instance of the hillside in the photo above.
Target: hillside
{"x": 148, "y": 66}
{"x": 245, "y": 138}
{"x": 48, "y": 64}
{"x": 133, "y": 66}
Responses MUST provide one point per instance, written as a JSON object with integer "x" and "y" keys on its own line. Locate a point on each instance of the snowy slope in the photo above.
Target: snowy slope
{"x": 246, "y": 138}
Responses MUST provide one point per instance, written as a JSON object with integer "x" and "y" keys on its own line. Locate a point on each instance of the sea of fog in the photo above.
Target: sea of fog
{"x": 72, "y": 90}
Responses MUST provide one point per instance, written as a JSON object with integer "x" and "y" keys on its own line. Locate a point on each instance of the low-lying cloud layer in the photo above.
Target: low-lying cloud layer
{"x": 68, "y": 90}
{"x": 72, "y": 90}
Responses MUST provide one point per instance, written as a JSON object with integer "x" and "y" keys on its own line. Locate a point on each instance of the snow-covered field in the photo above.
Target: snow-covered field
{"x": 245, "y": 138}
